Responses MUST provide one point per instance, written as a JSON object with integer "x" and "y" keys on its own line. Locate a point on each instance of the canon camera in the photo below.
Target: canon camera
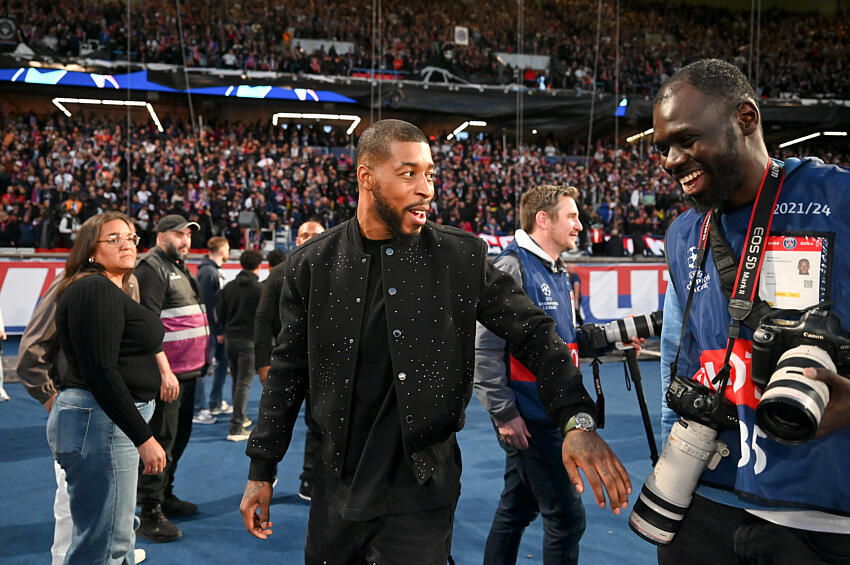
{"x": 692, "y": 446}
{"x": 603, "y": 337}
{"x": 785, "y": 343}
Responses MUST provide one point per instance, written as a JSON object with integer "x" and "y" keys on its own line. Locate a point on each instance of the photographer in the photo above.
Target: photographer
{"x": 535, "y": 479}
{"x": 769, "y": 500}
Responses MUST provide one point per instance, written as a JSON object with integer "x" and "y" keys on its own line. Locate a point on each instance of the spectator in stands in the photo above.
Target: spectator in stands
{"x": 236, "y": 311}
{"x": 170, "y": 290}
{"x": 211, "y": 279}
{"x": 110, "y": 343}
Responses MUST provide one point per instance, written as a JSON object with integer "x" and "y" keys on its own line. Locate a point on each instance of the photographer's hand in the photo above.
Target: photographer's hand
{"x": 590, "y": 452}
{"x": 515, "y": 433}
{"x": 837, "y": 413}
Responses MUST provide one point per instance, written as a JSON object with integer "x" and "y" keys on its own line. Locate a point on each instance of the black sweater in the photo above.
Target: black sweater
{"x": 111, "y": 343}
{"x": 237, "y": 306}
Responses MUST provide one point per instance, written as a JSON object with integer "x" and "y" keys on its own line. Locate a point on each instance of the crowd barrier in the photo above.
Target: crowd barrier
{"x": 609, "y": 290}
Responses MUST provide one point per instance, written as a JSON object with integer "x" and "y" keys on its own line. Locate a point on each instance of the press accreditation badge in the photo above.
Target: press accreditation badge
{"x": 795, "y": 271}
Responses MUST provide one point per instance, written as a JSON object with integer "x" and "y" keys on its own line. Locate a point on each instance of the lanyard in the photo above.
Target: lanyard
{"x": 746, "y": 281}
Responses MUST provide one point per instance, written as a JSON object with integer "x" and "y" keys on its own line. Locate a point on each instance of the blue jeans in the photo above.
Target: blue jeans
{"x": 537, "y": 483}
{"x": 218, "y": 362}
{"x": 101, "y": 465}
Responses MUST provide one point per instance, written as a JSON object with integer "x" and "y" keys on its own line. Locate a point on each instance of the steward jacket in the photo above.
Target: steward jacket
{"x": 437, "y": 286}
{"x": 504, "y": 386}
{"x": 237, "y": 306}
{"x": 168, "y": 288}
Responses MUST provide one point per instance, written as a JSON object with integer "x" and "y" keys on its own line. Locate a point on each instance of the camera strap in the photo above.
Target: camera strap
{"x": 744, "y": 294}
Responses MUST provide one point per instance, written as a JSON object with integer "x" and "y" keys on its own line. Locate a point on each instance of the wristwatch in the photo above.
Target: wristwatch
{"x": 581, "y": 421}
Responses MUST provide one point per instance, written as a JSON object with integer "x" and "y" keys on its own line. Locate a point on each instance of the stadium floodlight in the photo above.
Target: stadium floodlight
{"x": 635, "y": 137}
{"x": 464, "y": 125}
{"x": 355, "y": 120}
{"x": 800, "y": 139}
{"x": 60, "y": 103}
{"x": 836, "y": 133}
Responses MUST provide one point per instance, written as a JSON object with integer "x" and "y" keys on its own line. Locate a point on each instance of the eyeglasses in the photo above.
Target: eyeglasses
{"x": 116, "y": 239}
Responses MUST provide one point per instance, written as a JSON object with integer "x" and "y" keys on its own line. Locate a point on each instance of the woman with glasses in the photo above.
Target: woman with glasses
{"x": 98, "y": 427}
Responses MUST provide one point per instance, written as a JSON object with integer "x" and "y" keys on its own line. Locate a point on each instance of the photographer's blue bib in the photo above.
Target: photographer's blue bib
{"x": 806, "y": 261}
{"x": 551, "y": 292}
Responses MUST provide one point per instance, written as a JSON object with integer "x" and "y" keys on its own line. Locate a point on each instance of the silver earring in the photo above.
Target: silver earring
{"x": 91, "y": 259}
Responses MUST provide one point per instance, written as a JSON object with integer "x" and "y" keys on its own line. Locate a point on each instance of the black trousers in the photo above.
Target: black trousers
{"x": 171, "y": 426}
{"x": 713, "y": 533}
{"x": 415, "y": 538}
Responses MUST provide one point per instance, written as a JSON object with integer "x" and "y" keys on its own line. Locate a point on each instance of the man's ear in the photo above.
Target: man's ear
{"x": 365, "y": 177}
{"x": 541, "y": 219}
{"x": 748, "y": 117}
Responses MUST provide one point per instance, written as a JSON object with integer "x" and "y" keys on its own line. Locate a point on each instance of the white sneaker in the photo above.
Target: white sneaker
{"x": 241, "y": 436}
{"x": 204, "y": 417}
{"x": 223, "y": 408}
{"x": 139, "y": 555}
{"x": 246, "y": 423}
{"x": 4, "y": 396}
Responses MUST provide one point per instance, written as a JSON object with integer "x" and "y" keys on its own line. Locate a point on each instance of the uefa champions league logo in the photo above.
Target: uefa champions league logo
{"x": 692, "y": 257}
{"x": 544, "y": 288}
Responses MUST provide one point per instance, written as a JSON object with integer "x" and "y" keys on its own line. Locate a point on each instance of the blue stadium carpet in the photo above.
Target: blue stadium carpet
{"x": 212, "y": 473}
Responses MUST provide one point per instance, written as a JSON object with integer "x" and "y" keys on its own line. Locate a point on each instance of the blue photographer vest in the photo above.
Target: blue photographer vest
{"x": 808, "y": 223}
{"x": 551, "y": 292}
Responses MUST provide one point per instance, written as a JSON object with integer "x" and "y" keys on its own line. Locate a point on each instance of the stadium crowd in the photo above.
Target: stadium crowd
{"x": 56, "y": 173}
{"x": 264, "y": 35}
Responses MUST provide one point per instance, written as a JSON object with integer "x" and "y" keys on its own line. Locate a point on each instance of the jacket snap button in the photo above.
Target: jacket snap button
{"x": 396, "y": 333}
{"x": 402, "y": 376}
{"x": 392, "y": 291}
{"x": 389, "y": 251}
{"x": 408, "y": 419}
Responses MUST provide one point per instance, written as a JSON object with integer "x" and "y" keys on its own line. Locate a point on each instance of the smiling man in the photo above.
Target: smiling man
{"x": 767, "y": 501}
{"x": 378, "y": 321}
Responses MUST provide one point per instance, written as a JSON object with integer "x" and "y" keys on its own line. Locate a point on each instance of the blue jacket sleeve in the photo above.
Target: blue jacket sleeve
{"x": 671, "y": 329}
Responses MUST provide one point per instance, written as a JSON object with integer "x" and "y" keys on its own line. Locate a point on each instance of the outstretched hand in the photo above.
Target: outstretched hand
{"x": 258, "y": 496}
{"x": 588, "y": 451}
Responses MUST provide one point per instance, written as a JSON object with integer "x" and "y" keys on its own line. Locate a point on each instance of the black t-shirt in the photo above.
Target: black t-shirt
{"x": 377, "y": 477}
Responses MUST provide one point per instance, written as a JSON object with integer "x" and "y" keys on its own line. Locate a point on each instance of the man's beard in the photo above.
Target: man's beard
{"x": 725, "y": 175}
{"x": 389, "y": 216}
{"x": 173, "y": 253}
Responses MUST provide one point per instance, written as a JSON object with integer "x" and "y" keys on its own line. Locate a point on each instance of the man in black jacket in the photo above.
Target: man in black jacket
{"x": 236, "y": 310}
{"x": 378, "y": 318}
{"x": 266, "y": 328}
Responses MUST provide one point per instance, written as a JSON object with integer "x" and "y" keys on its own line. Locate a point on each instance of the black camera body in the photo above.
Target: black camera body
{"x": 696, "y": 402}
{"x": 600, "y": 338}
{"x": 815, "y": 327}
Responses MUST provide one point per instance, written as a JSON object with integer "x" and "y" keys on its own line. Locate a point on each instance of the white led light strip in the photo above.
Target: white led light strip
{"x": 60, "y": 103}
{"x": 355, "y": 120}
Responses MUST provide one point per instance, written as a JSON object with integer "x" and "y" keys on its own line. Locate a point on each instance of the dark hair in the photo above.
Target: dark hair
{"x": 78, "y": 265}
{"x": 373, "y": 147}
{"x": 276, "y": 257}
{"x": 715, "y": 78}
{"x": 250, "y": 259}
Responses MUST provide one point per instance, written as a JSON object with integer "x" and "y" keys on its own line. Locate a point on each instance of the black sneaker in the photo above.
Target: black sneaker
{"x": 154, "y": 526}
{"x": 173, "y": 506}
{"x": 305, "y": 490}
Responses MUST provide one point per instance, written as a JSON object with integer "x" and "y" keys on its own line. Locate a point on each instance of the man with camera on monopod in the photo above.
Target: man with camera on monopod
{"x": 757, "y": 371}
